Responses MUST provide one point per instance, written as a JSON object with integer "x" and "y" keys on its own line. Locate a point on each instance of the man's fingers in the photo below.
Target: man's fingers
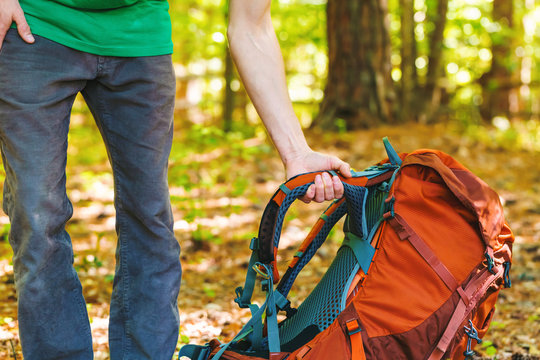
{"x": 22, "y": 27}
{"x": 309, "y": 195}
{"x": 319, "y": 189}
{"x": 324, "y": 188}
{"x": 338, "y": 187}
{"x": 328, "y": 186}
{"x": 341, "y": 166}
{"x": 345, "y": 169}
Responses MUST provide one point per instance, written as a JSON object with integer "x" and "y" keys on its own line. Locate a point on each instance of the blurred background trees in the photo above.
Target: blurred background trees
{"x": 354, "y": 64}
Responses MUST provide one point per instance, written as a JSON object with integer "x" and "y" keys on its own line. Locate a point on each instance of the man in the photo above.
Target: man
{"x": 117, "y": 54}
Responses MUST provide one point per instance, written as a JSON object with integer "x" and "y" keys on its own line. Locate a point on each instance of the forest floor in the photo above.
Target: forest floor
{"x": 219, "y": 187}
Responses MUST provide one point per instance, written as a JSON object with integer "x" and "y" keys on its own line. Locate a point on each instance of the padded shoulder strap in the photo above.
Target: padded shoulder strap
{"x": 274, "y": 213}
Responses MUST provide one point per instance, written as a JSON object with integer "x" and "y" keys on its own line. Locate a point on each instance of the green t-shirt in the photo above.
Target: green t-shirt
{"x": 103, "y": 27}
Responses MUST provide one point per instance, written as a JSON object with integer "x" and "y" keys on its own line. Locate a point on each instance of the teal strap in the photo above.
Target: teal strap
{"x": 324, "y": 217}
{"x": 256, "y": 337}
{"x": 371, "y": 173}
{"x": 299, "y": 254}
{"x": 392, "y": 154}
{"x": 285, "y": 189}
{"x": 281, "y": 301}
{"x": 364, "y": 221}
{"x": 374, "y": 229}
{"x": 362, "y": 249}
{"x": 271, "y": 321}
{"x": 246, "y": 330}
{"x": 243, "y": 294}
{"x": 348, "y": 285}
{"x": 393, "y": 178}
{"x": 252, "y": 326}
{"x": 194, "y": 352}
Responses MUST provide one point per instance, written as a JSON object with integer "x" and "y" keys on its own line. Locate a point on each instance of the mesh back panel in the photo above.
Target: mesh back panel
{"x": 323, "y": 305}
{"x": 374, "y": 207}
{"x": 355, "y": 204}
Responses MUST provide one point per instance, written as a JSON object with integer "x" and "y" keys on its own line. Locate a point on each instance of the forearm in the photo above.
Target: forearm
{"x": 255, "y": 50}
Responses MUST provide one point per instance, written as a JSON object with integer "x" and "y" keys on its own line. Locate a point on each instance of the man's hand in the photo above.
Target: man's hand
{"x": 10, "y": 11}
{"x": 326, "y": 187}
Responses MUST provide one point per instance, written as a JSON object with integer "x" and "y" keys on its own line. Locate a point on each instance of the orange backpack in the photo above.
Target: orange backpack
{"x": 425, "y": 253}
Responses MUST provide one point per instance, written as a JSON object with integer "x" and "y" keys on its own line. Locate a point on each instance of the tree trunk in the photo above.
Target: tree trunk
{"x": 359, "y": 91}
{"x": 495, "y": 88}
{"x": 432, "y": 92}
{"x": 408, "y": 56}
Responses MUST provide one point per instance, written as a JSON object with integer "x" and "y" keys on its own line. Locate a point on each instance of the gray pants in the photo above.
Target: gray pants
{"x": 132, "y": 102}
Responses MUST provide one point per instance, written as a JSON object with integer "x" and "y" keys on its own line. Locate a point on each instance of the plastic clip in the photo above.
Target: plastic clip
{"x": 507, "y": 281}
{"x": 254, "y": 244}
{"x": 490, "y": 263}
{"x": 389, "y": 207}
{"x": 239, "y": 291}
{"x": 472, "y": 334}
{"x": 353, "y": 327}
{"x": 384, "y": 187}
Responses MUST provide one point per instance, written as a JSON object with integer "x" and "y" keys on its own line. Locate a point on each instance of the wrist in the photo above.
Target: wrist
{"x": 296, "y": 155}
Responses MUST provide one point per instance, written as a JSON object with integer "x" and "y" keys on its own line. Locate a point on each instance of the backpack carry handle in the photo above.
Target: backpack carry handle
{"x": 274, "y": 213}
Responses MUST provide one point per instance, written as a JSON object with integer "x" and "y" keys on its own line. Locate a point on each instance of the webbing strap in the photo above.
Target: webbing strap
{"x": 243, "y": 294}
{"x": 392, "y": 154}
{"x": 355, "y": 335}
{"x": 406, "y": 232}
{"x": 475, "y": 290}
{"x": 285, "y": 189}
{"x": 274, "y": 345}
{"x": 362, "y": 249}
{"x": 257, "y": 334}
{"x": 256, "y": 319}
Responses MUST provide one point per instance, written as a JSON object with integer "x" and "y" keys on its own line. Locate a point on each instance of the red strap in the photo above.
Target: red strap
{"x": 406, "y": 232}
{"x": 475, "y": 290}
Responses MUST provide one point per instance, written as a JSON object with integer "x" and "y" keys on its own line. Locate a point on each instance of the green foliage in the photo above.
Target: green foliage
{"x": 205, "y": 235}
{"x": 488, "y": 348}
{"x": 184, "y": 339}
{"x": 504, "y": 134}
{"x": 4, "y": 232}
{"x": 87, "y": 262}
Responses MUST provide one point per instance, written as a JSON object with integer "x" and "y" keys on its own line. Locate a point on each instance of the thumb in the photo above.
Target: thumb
{"x": 22, "y": 26}
{"x": 340, "y": 165}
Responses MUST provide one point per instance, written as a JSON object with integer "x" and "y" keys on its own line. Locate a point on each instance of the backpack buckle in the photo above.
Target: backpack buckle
{"x": 489, "y": 262}
{"x": 472, "y": 334}
{"x": 239, "y": 291}
{"x": 389, "y": 207}
{"x": 507, "y": 281}
{"x": 353, "y": 327}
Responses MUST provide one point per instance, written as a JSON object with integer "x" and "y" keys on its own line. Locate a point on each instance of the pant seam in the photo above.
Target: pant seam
{"x": 107, "y": 137}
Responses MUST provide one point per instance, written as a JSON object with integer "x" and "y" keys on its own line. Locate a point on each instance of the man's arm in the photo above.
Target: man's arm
{"x": 10, "y": 11}
{"x": 256, "y": 52}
